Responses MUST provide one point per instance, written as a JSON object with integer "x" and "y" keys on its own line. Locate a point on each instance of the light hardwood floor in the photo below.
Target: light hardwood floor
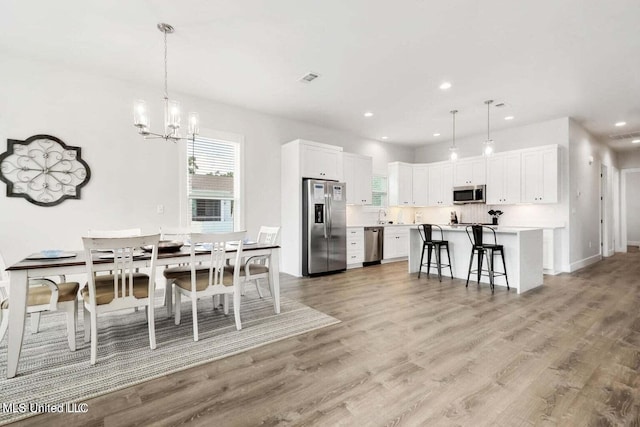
{"x": 414, "y": 352}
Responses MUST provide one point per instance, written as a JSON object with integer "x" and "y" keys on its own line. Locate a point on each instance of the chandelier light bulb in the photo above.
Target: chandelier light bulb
{"x": 194, "y": 124}
{"x": 453, "y": 154}
{"x": 488, "y": 147}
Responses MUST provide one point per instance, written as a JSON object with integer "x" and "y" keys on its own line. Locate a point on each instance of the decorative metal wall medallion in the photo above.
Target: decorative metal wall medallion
{"x": 43, "y": 170}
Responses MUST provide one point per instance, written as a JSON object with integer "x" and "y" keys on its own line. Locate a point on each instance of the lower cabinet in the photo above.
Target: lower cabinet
{"x": 355, "y": 246}
{"x": 396, "y": 242}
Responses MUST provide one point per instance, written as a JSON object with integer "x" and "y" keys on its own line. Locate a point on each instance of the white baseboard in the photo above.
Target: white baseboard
{"x": 633, "y": 243}
{"x": 584, "y": 262}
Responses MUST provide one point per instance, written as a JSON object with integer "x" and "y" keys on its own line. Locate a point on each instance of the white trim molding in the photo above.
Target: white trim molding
{"x": 584, "y": 263}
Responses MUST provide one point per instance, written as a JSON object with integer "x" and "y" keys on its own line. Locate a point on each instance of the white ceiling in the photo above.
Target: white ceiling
{"x": 543, "y": 58}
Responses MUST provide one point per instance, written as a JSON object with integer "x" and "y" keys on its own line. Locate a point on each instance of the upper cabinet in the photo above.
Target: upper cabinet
{"x": 320, "y": 161}
{"x": 420, "y": 185}
{"x": 471, "y": 171}
{"x": 358, "y": 174}
{"x": 400, "y": 184}
{"x": 440, "y": 184}
{"x": 503, "y": 178}
{"x": 540, "y": 175}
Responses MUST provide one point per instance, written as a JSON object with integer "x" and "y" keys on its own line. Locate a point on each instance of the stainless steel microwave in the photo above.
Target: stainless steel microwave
{"x": 469, "y": 194}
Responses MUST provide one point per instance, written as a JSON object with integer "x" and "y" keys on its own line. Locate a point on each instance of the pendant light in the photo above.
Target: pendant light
{"x": 489, "y": 146}
{"x": 171, "y": 131}
{"x": 453, "y": 150}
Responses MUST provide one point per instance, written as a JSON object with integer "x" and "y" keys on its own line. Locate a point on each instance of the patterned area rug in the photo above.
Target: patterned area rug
{"x": 49, "y": 373}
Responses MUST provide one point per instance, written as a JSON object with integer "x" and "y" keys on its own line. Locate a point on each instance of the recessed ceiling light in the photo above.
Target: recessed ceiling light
{"x": 509, "y": 118}
{"x": 636, "y": 141}
{"x": 384, "y": 137}
{"x": 445, "y": 86}
{"x": 621, "y": 124}
{"x": 436, "y": 134}
{"x": 368, "y": 114}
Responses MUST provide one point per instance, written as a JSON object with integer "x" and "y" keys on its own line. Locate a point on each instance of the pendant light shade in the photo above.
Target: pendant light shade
{"x": 453, "y": 150}
{"x": 489, "y": 146}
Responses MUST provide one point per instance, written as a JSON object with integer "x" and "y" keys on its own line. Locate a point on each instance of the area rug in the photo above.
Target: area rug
{"x": 50, "y": 374}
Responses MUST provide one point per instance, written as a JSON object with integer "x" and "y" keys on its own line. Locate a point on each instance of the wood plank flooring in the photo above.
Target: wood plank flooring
{"x": 415, "y": 352}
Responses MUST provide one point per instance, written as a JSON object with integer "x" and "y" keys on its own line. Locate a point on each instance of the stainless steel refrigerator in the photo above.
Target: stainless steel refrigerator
{"x": 324, "y": 226}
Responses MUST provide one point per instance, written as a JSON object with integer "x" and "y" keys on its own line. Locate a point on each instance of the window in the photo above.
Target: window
{"x": 379, "y": 191}
{"x": 213, "y": 190}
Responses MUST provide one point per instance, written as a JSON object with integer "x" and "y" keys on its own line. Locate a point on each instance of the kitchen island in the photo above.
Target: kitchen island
{"x": 522, "y": 247}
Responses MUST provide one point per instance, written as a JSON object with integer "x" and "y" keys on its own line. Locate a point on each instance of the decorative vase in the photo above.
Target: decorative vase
{"x": 494, "y": 220}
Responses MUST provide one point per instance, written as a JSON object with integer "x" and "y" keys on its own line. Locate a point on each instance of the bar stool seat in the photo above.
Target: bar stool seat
{"x": 429, "y": 244}
{"x": 488, "y": 250}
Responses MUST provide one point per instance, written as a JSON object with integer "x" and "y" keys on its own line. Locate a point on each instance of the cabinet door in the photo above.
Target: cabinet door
{"x": 365, "y": 176}
{"x": 400, "y": 188}
{"x": 462, "y": 174}
{"x": 496, "y": 180}
{"x": 479, "y": 171}
{"x": 511, "y": 180}
{"x": 357, "y": 174}
{"x": 550, "y": 176}
{"x": 470, "y": 172}
{"x": 531, "y": 176}
{"x": 420, "y": 185}
{"x": 321, "y": 163}
{"x": 435, "y": 185}
{"x": 447, "y": 185}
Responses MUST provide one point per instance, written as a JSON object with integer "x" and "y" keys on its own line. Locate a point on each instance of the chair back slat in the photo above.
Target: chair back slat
{"x": 476, "y": 236}
{"x": 267, "y": 235}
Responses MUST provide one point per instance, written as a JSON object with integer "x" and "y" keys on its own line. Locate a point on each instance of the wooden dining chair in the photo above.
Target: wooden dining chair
{"x": 124, "y": 288}
{"x": 209, "y": 278}
{"x": 44, "y": 295}
{"x": 256, "y": 268}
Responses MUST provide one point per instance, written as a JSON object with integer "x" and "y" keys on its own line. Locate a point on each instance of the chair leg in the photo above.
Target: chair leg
{"x": 35, "y": 322}
{"x": 71, "y": 312}
{"x": 94, "y": 336}
{"x": 226, "y": 304}
{"x": 480, "y": 256}
{"x": 429, "y": 249}
{"x": 257, "y": 282}
{"x": 152, "y": 325}
{"x": 449, "y": 258}
{"x": 504, "y": 267}
{"x": 168, "y": 296}
{"x": 421, "y": 261}
{"x": 489, "y": 255}
{"x": 236, "y": 309}
{"x": 242, "y": 287}
{"x": 177, "y": 302}
{"x": 437, "y": 249}
{"x": 194, "y": 316}
{"x": 470, "y": 265}
{"x": 4, "y": 323}
{"x": 86, "y": 318}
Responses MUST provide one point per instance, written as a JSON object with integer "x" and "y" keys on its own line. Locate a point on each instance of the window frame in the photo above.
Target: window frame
{"x": 373, "y": 208}
{"x": 238, "y": 178}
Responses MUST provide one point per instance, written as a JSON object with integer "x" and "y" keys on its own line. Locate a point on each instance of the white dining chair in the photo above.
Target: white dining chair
{"x": 209, "y": 278}
{"x": 43, "y": 295}
{"x": 256, "y": 268}
{"x": 124, "y": 288}
{"x": 181, "y": 234}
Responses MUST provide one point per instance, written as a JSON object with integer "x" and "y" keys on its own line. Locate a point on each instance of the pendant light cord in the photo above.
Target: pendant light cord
{"x": 454, "y": 127}
{"x": 166, "y": 90}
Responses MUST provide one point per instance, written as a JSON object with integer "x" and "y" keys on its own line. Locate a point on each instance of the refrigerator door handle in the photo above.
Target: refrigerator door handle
{"x": 329, "y": 199}
{"x": 326, "y": 211}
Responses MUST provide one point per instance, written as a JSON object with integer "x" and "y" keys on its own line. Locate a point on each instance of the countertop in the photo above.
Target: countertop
{"x": 457, "y": 227}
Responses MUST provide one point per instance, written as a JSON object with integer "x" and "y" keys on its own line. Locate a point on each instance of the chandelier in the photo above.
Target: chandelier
{"x": 171, "y": 109}
{"x": 489, "y": 146}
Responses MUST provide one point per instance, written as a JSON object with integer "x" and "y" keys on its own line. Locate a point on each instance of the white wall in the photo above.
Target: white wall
{"x": 130, "y": 177}
{"x": 633, "y": 208}
{"x": 629, "y": 159}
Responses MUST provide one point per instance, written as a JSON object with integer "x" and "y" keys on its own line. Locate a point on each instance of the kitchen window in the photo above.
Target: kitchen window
{"x": 379, "y": 191}
{"x": 213, "y": 171}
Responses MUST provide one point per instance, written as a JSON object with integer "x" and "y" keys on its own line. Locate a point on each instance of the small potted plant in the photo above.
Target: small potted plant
{"x": 494, "y": 216}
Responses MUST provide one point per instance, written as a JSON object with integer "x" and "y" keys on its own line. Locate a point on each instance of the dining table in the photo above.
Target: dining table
{"x": 73, "y": 262}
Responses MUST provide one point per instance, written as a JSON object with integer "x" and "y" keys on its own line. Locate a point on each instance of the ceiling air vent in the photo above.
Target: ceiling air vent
{"x": 621, "y": 136}
{"x": 309, "y": 77}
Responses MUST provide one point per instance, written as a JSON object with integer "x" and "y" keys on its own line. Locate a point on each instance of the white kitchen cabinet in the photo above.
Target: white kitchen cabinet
{"x": 470, "y": 171}
{"x": 358, "y": 173}
{"x": 420, "y": 185}
{"x": 503, "y": 179}
{"x": 355, "y": 246}
{"x": 540, "y": 175}
{"x": 400, "y": 176}
{"x": 320, "y": 161}
{"x": 396, "y": 242}
{"x": 440, "y": 184}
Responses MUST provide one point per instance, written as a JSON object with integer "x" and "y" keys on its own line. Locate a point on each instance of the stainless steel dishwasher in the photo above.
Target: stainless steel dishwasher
{"x": 373, "y": 241}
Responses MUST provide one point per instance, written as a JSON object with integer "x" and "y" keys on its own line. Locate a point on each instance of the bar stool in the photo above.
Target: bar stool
{"x": 426, "y": 232}
{"x": 488, "y": 250}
